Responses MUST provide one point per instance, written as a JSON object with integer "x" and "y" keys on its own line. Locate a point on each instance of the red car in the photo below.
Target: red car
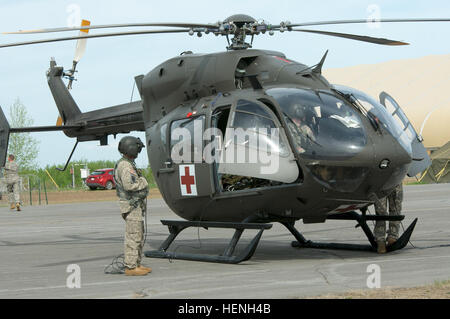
{"x": 101, "y": 178}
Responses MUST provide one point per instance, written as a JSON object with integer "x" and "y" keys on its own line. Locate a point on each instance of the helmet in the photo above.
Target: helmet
{"x": 131, "y": 146}
{"x": 297, "y": 111}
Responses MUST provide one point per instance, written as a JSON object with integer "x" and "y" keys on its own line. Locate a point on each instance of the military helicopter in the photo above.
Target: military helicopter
{"x": 244, "y": 138}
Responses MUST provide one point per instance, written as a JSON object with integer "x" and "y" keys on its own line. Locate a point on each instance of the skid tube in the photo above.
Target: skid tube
{"x": 176, "y": 226}
{"x": 362, "y": 219}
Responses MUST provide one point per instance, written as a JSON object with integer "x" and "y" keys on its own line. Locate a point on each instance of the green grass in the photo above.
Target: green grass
{"x": 441, "y": 283}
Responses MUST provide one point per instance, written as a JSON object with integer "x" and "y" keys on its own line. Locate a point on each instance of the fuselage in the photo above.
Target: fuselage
{"x": 347, "y": 157}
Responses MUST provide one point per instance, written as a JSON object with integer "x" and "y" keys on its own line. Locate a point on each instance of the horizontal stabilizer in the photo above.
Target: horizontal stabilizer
{"x": 43, "y": 128}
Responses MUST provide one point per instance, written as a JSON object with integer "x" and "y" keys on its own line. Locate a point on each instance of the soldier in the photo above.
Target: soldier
{"x": 132, "y": 190}
{"x": 301, "y": 132}
{"x": 395, "y": 207}
{"x": 12, "y": 181}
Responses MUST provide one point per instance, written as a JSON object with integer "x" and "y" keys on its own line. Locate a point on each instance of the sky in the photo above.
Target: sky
{"x": 106, "y": 72}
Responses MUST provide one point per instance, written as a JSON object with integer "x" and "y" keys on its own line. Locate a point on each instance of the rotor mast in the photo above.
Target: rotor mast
{"x": 239, "y": 26}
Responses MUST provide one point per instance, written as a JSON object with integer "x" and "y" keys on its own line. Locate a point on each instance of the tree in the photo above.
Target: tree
{"x": 22, "y": 145}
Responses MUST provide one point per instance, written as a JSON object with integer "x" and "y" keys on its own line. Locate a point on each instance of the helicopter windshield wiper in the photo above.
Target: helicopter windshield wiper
{"x": 354, "y": 101}
{"x": 309, "y": 137}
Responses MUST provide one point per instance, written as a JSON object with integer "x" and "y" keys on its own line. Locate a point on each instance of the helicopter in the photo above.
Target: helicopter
{"x": 247, "y": 137}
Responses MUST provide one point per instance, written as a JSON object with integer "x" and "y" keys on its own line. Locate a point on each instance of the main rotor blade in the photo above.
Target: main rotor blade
{"x": 125, "y": 25}
{"x": 366, "y": 21}
{"x": 355, "y": 37}
{"x": 102, "y": 35}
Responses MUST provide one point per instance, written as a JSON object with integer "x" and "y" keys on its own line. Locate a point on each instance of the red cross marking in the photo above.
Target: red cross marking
{"x": 187, "y": 180}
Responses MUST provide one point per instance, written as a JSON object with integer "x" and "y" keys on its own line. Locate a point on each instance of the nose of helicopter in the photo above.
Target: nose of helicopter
{"x": 377, "y": 169}
{"x": 392, "y": 161}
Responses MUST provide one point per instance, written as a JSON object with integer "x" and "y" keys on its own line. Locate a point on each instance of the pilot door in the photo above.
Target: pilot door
{"x": 409, "y": 137}
{"x": 255, "y": 151}
{"x": 188, "y": 175}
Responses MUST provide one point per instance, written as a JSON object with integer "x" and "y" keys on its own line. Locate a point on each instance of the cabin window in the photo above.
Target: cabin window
{"x": 164, "y": 135}
{"x": 186, "y": 140}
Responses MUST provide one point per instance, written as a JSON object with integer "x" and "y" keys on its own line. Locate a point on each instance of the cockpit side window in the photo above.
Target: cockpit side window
{"x": 255, "y": 147}
{"x": 186, "y": 143}
{"x": 252, "y": 108}
{"x": 258, "y": 122}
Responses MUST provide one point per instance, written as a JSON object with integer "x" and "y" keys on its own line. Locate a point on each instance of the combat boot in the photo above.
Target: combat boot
{"x": 147, "y": 269}
{"x": 18, "y": 207}
{"x": 135, "y": 272}
{"x": 13, "y": 206}
{"x": 391, "y": 241}
{"x": 381, "y": 246}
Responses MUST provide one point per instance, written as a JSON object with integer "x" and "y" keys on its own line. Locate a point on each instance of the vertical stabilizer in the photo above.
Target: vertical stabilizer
{"x": 65, "y": 103}
{"x": 4, "y": 137}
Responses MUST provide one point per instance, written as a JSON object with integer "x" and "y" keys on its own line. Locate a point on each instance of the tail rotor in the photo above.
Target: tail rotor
{"x": 80, "y": 49}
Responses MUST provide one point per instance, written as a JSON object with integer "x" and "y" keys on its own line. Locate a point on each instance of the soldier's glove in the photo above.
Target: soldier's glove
{"x": 142, "y": 194}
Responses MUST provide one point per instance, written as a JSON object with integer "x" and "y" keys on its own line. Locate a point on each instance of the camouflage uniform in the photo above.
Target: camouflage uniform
{"x": 12, "y": 182}
{"x": 395, "y": 207}
{"x": 132, "y": 189}
{"x": 298, "y": 140}
{"x": 301, "y": 135}
{"x": 306, "y": 130}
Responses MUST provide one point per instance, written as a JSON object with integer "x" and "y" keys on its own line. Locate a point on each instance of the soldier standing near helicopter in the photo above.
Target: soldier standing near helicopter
{"x": 395, "y": 207}
{"x": 12, "y": 181}
{"x": 132, "y": 190}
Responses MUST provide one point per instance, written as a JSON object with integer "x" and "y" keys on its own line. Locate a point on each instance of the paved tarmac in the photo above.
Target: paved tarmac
{"x": 38, "y": 245}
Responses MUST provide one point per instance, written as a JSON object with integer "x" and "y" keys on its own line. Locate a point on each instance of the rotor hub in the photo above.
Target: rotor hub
{"x": 239, "y": 26}
{"x": 240, "y": 20}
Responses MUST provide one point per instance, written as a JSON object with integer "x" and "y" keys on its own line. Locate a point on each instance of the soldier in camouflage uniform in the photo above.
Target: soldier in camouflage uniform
{"x": 12, "y": 182}
{"x": 300, "y": 131}
{"x": 395, "y": 207}
{"x": 132, "y": 190}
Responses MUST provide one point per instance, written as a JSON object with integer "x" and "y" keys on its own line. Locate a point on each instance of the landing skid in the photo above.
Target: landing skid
{"x": 175, "y": 227}
{"x": 362, "y": 219}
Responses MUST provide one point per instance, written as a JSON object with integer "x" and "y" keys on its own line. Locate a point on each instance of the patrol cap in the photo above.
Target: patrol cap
{"x": 131, "y": 146}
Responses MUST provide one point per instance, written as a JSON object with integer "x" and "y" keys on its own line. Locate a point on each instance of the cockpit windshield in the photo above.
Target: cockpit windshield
{"x": 398, "y": 126}
{"x": 321, "y": 124}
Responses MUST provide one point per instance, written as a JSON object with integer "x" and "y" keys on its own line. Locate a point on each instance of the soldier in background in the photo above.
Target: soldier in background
{"x": 395, "y": 207}
{"x": 132, "y": 190}
{"x": 12, "y": 182}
